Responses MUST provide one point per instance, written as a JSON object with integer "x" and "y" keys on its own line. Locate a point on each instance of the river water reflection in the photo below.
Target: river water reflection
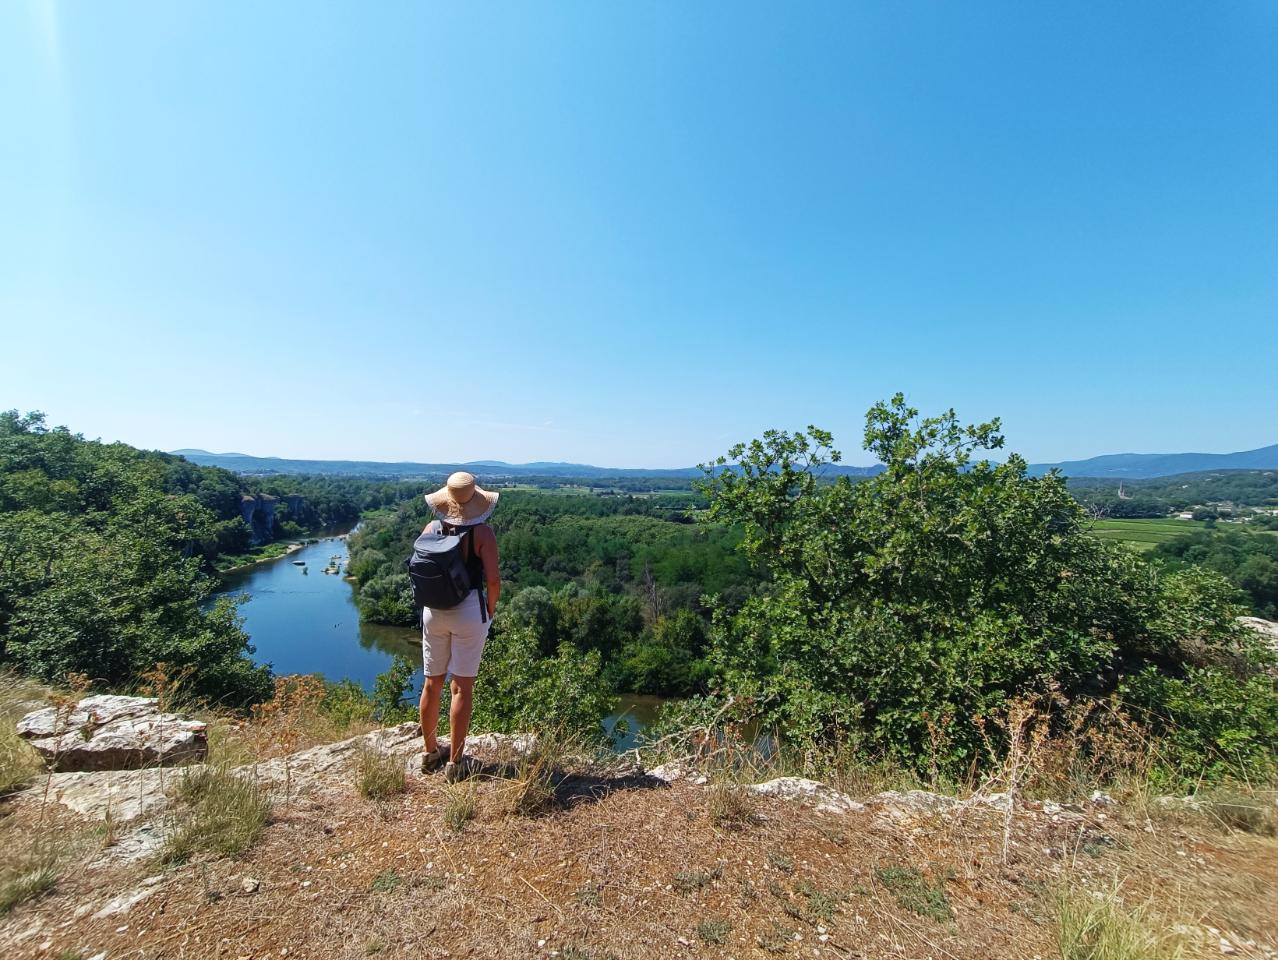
{"x": 303, "y": 621}
{"x": 307, "y": 622}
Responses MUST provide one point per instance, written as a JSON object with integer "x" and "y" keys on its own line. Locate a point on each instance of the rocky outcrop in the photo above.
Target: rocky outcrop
{"x": 825, "y": 798}
{"x": 259, "y": 513}
{"x": 141, "y": 794}
{"x": 1266, "y": 628}
{"x": 113, "y": 733}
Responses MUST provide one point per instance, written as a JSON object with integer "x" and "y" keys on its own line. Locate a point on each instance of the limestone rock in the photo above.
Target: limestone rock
{"x": 1268, "y": 629}
{"x": 678, "y": 770}
{"x": 896, "y": 805}
{"x": 112, "y": 732}
{"x": 825, "y": 798}
{"x": 122, "y": 903}
{"x": 125, "y": 794}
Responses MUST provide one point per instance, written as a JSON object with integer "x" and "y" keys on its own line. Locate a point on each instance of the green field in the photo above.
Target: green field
{"x": 1144, "y": 534}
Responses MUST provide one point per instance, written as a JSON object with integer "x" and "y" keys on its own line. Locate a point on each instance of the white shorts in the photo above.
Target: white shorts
{"x": 453, "y": 639}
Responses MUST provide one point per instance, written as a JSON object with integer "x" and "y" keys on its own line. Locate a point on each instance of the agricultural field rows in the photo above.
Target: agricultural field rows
{"x": 1144, "y": 534}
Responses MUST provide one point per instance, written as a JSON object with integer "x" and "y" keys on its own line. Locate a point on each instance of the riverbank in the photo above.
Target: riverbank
{"x": 274, "y": 551}
{"x": 263, "y": 554}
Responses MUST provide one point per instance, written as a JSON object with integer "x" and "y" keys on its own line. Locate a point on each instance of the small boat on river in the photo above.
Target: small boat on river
{"x": 299, "y": 563}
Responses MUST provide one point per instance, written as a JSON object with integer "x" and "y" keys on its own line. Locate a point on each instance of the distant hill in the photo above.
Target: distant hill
{"x": 1118, "y": 466}
{"x": 1146, "y": 465}
{"x": 485, "y": 469}
{"x": 192, "y": 452}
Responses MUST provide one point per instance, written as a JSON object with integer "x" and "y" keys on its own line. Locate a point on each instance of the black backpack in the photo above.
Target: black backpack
{"x": 444, "y": 568}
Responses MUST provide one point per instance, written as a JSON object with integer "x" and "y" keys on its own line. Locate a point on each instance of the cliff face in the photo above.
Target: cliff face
{"x": 259, "y": 513}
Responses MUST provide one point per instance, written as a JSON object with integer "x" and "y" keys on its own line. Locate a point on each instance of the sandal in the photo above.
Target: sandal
{"x": 434, "y": 759}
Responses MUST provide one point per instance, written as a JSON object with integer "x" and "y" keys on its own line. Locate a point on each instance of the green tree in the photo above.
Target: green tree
{"x": 519, "y": 690}
{"x": 906, "y": 609}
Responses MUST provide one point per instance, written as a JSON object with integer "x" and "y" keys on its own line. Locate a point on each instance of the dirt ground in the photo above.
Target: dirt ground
{"x": 637, "y": 868}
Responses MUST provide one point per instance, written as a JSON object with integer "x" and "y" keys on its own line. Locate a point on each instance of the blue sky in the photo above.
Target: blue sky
{"x": 630, "y": 234}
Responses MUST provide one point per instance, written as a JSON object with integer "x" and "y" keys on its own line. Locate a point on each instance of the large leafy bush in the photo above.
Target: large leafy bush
{"x": 908, "y": 608}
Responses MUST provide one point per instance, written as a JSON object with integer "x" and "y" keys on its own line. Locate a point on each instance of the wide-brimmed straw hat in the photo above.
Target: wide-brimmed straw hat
{"x": 462, "y": 501}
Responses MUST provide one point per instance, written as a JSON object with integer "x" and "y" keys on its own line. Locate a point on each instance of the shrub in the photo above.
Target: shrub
{"x": 346, "y": 704}
{"x": 907, "y": 609}
{"x": 690, "y": 881}
{"x": 392, "y": 692}
{"x": 386, "y": 881}
{"x": 1211, "y": 726}
{"x": 519, "y": 690}
{"x": 714, "y": 932}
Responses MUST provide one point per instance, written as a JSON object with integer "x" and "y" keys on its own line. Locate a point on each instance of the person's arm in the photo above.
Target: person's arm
{"x": 486, "y": 544}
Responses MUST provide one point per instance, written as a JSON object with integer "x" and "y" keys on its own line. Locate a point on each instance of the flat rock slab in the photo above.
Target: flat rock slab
{"x": 113, "y": 733}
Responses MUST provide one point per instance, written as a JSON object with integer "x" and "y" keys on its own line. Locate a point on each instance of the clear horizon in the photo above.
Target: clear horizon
{"x": 631, "y": 237}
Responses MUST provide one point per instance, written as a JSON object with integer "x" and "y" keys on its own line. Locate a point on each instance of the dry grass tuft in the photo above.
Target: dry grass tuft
{"x": 222, "y": 813}
{"x": 32, "y": 862}
{"x": 459, "y": 808}
{"x": 293, "y": 719}
{"x": 378, "y": 775}
{"x": 19, "y": 764}
{"x": 1091, "y": 928}
{"x": 731, "y": 806}
{"x": 531, "y": 792}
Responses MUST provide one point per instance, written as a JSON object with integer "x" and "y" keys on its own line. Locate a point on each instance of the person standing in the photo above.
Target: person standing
{"x": 453, "y": 638}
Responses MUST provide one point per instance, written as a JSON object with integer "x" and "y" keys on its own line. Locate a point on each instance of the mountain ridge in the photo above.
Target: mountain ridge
{"x": 1133, "y": 466}
{"x": 1143, "y": 466}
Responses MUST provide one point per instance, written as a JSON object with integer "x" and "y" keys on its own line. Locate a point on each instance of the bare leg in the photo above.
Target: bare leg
{"x": 463, "y": 690}
{"x": 432, "y": 690}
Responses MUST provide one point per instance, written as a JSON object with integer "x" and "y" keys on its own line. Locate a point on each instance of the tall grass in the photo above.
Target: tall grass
{"x": 31, "y": 872}
{"x": 19, "y": 764}
{"x": 460, "y": 806}
{"x": 220, "y": 812}
{"x": 1092, "y": 928}
{"x": 378, "y": 775}
{"x": 32, "y": 858}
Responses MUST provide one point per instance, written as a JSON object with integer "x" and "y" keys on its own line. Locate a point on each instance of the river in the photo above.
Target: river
{"x": 307, "y": 622}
